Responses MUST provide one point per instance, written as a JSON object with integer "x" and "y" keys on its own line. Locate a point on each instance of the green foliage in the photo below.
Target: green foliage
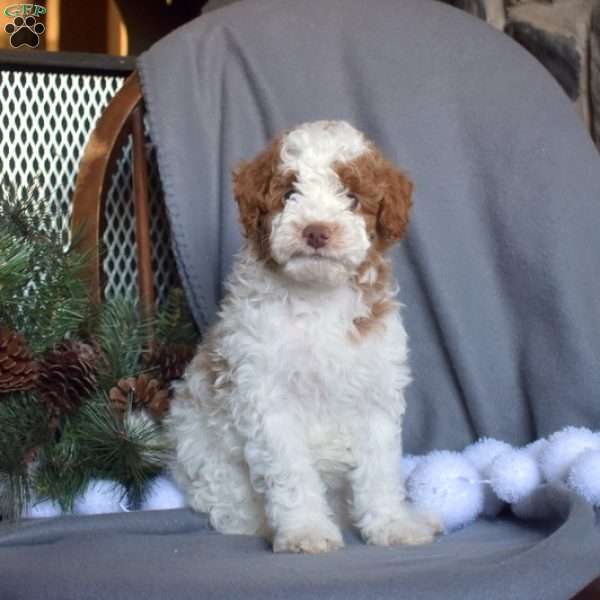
{"x": 23, "y": 428}
{"x": 43, "y": 297}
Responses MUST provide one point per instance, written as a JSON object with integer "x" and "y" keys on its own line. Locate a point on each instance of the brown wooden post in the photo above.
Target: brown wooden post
{"x": 142, "y": 214}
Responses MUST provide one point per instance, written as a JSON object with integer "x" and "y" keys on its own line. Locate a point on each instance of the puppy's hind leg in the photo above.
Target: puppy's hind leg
{"x": 210, "y": 468}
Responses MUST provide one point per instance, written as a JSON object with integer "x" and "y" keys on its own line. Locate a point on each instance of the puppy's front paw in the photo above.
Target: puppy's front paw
{"x": 411, "y": 530}
{"x": 313, "y": 539}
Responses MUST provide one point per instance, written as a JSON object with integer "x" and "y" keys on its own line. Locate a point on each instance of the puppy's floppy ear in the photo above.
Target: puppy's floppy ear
{"x": 251, "y": 184}
{"x": 396, "y": 201}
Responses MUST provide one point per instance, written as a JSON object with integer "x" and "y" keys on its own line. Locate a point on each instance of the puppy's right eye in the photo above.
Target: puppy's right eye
{"x": 289, "y": 195}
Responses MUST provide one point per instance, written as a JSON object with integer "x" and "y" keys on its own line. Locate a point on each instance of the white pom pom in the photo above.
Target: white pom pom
{"x": 536, "y": 448}
{"x": 163, "y": 494}
{"x": 514, "y": 475}
{"x": 484, "y": 451}
{"x": 408, "y": 465}
{"x": 481, "y": 455}
{"x": 100, "y": 496}
{"x": 43, "y": 510}
{"x": 446, "y": 484}
{"x": 562, "y": 450}
{"x": 584, "y": 477}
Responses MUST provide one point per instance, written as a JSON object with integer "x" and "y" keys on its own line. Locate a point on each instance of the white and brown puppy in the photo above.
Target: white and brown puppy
{"x": 298, "y": 390}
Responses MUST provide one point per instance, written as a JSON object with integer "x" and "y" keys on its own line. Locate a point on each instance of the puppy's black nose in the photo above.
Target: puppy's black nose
{"x": 316, "y": 235}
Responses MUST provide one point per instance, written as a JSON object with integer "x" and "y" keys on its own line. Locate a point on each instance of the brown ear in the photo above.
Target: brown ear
{"x": 396, "y": 202}
{"x": 251, "y": 185}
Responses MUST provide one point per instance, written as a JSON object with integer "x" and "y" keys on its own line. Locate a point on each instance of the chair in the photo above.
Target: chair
{"x": 123, "y": 116}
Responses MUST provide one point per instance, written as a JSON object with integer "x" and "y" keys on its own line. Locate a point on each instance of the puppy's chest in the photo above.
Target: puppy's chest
{"x": 307, "y": 349}
{"x": 315, "y": 341}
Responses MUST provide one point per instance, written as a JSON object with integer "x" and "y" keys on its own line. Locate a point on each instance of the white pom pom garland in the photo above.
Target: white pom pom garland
{"x": 441, "y": 485}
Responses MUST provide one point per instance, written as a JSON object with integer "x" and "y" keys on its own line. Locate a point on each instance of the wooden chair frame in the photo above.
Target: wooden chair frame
{"x": 123, "y": 116}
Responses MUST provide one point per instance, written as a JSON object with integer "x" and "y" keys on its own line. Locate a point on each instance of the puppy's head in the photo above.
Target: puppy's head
{"x": 321, "y": 200}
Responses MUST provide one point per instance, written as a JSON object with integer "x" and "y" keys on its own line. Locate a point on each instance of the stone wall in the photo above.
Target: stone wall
{"x": 564, "y": 35}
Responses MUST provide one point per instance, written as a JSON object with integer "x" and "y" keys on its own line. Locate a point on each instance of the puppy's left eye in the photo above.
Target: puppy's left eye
{"x": 354, "y": 202}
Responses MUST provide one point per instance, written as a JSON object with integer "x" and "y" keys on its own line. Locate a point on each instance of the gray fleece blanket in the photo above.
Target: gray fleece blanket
{"x": 499, "y": 275}
{"x": 499, "y": 272}
{"x": 173, "y": 555}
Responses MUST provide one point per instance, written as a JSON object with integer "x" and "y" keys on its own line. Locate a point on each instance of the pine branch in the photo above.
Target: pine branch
{"x": 42, "y": 294}
{"x": 130, "y": 450}
{"x": 22, "y": 212}
{"x": 124, "y": 337}
{"x": 14, "y": 265}
{"x": 23, "y": 429}
{"x": 57, "y": 305}
{"x": 58, "y": 473}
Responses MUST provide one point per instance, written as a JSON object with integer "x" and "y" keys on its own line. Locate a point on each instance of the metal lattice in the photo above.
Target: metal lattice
{"x": 120, "y": 261}
{"x": 45, "y": 121}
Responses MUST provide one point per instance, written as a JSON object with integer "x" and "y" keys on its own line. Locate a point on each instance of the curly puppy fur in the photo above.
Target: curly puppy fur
{"x": 288, "y": 421}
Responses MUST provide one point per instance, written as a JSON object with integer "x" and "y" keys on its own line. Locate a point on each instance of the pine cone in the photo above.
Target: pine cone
{"x": 67, "y": 377}
{"x": 143, "y": 393}
{"x": 18, "y": 369}
{"x": 170, "y": 361}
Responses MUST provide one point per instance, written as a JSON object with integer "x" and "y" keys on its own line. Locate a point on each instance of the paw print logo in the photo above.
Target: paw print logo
{"x": 24, "y": 32}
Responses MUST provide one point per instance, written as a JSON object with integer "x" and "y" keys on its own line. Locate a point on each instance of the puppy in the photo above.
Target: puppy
{"x": 288, "y": 420}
